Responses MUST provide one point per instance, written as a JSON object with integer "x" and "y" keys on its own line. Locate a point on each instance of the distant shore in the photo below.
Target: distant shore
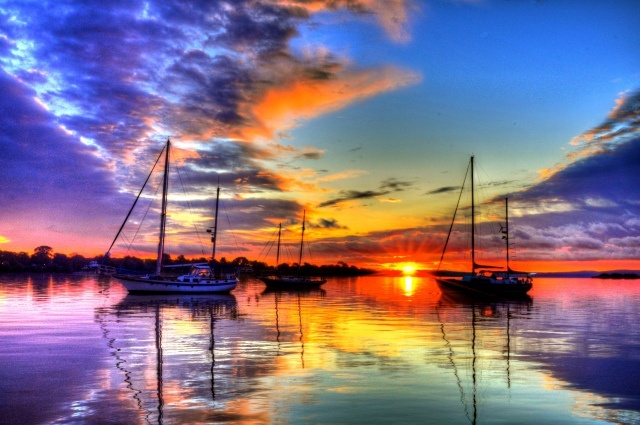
{"x": 617, "y": 276}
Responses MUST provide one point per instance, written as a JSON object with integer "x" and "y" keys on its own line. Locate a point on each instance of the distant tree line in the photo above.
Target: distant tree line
{"x": 44, "y": 260}
{"x": 617, "y": 276}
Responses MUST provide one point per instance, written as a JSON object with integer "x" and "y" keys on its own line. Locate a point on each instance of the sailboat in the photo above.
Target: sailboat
{"x": 202, "y": 278}
{"x": 484, "y": 280}
{"x": 297, "y": 281}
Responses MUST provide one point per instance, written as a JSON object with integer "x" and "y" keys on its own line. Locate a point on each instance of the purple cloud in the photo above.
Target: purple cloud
{"x": 40, "y": 161}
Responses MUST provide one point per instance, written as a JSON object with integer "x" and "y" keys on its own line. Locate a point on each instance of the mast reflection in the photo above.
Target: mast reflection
{"x": 139, "y": 322}
{"x": 278, "y": 295}
{"x": 485, "y": 315}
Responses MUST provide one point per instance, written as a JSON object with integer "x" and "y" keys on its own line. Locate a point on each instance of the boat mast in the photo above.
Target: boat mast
{"x": 163, "y": 214}
{"x": 215, "y": 226}
{"x": 134, "y": 204}
{"x": 453, "y": 220}
{"x": 301, "y": 241}
{"x": 278, "y": 250}
{"x": 506, "y": 230}
{"x": 473, "y": 227}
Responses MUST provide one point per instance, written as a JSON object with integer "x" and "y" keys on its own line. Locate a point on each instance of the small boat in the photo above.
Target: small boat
{"x": 201, "y": 278}
{"x": 297, "y": 281}
{"x": 484, "y": 280}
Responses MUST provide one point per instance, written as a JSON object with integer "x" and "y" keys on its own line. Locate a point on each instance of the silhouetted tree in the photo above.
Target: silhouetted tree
{"x": 61, "y": 263}
{"x": 42, "y": 256}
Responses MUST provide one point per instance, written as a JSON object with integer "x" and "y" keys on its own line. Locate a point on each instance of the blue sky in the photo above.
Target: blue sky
{"x": 359, "y": 112}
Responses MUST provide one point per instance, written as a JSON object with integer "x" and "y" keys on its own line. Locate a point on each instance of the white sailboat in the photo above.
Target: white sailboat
{"x": 202, "y": 278}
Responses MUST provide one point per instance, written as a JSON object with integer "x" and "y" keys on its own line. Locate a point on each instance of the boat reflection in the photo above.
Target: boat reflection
{"x": 288, "y": 295}
{"x": 481, "y": 315}
{"x": 144, "y": 330}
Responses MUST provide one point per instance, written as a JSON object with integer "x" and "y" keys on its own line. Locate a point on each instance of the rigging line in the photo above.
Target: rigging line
{"x": 289, "y": 254}
{"x": 186, "y": 194}
{"x": 489, "y": 210}
{"x": 235, "y": 241}
{"x": 269, "y": 244}
{"x": 136, "y": 201}
{"x": 310, "y": 253}
{"x": 126, "y": 238}
{"x": 454, "y": 216}
{"x": 143, "y": 219}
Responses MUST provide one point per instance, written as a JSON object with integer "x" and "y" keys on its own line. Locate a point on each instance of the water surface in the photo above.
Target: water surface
{"x": 78, "y": 349}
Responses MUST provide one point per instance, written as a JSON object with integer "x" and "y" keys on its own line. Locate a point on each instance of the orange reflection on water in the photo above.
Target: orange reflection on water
{"x": 382, "y": 321}
{"x": 263, "y": 357}
{"x": 408, "y": 286}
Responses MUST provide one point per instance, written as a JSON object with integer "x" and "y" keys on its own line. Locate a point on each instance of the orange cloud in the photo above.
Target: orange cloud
{"x": 281, "y": 106}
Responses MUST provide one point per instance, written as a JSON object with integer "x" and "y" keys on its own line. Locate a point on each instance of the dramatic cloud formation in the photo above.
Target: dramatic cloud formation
{"x": 40, "y": 161}
{"x": 589, "y": 208}
{"x": 275, "y": 100}
{"x": 88, "y": 87}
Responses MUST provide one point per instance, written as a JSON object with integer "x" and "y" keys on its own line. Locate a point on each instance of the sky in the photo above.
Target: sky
{"x": 362, "y": 114}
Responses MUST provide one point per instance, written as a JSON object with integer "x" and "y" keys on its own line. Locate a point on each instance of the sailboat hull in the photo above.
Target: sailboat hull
{"x": 137, "y": 284}
{"x": 292, "y": 282}
{"x": 484, "y": 287}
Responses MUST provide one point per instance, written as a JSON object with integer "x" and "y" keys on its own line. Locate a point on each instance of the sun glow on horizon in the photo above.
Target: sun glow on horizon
{"x": 408, "y": 269}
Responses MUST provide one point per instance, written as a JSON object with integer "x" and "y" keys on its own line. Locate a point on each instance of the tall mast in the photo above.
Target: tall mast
{"x": 506, "y": 229}
{"x": 301, "y": 240}
{"x": 278, "y": 250}
{"x": 215, "y": 226}
{"x": 163, "y": 213}
{"x": 473, "y": 224}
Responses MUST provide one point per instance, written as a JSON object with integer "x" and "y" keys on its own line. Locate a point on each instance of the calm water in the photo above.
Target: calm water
{"x": 365, "y": 350}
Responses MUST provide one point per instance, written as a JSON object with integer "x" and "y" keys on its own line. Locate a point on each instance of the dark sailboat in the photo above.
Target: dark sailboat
{"x": 295, "y": 281}
{"x": 484, "y": 280}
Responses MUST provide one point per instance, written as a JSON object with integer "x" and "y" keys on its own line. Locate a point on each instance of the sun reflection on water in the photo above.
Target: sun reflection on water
{"x": 408, "y": 286}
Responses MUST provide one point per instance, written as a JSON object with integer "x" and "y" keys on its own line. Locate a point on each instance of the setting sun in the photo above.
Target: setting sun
{"x": 408, "y": 268}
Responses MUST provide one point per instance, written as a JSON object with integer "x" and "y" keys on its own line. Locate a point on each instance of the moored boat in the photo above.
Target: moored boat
{"x": 201, "y": 278}
{"x": 296, "y": 281}
{"x": 485, "y": 280}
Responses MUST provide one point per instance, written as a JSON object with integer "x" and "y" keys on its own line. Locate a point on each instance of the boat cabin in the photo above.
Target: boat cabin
{"x": 503, "y": 276}
{"x": 198, "y": 272}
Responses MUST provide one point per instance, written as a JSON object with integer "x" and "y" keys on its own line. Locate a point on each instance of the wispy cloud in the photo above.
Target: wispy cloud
{"x": 444, "y": 189}
{"x": 393, "y": 15}
{"x": 386, "y": 187}
{"x": 621, "y": 125}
